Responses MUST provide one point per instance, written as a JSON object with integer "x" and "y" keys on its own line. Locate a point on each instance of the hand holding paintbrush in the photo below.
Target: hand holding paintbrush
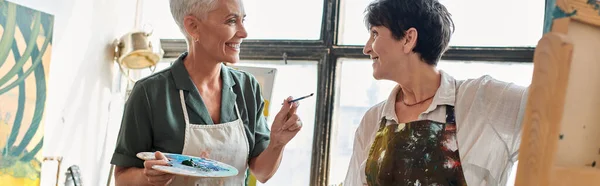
{"x": 286, "y": 123}
{"x": 300, "y": 98}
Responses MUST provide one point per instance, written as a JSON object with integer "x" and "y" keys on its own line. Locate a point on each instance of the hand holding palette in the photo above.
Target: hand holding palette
{"x": 191, "y": 166}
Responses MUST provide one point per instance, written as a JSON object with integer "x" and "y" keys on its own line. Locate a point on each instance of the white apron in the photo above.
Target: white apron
{"x": 225, "y": 142}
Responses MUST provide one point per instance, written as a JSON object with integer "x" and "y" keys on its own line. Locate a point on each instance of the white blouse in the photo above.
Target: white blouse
{"x": 488, "y": 118}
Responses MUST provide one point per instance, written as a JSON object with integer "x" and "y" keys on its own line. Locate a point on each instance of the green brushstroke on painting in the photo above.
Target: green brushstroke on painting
{"x": 18, "y": 163}
{"x": 9, "y": 31}
{"x": 30, "y": 155}
{"x": 40, "y": 82}
{"x": 25, "y": 56}
{"x": 20, "y": 107}
{"x": 36, "y": 63}
{"x": 40, "y": 103}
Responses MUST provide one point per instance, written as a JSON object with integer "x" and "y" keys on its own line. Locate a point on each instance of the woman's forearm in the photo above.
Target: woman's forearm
{"x": 265, "y": 165}
{"x": 125, "y": 176}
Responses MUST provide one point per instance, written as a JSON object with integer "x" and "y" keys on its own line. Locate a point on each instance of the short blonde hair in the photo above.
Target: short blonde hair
{"x": 198, "y": 8}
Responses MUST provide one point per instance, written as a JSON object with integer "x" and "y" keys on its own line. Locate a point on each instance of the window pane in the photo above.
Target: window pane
{"x": 266, "y": 19}
{"x": 284, "y": 19}
{"x": 478, "y": 22}
{"x": 358, "y": 91}
{"x": 295, "y": 166}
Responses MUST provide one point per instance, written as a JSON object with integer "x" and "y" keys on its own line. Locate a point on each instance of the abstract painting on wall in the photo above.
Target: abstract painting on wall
{"x": 25, "y": 48}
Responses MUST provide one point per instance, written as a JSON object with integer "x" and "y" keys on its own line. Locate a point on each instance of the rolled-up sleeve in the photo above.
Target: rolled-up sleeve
{"x": 135, "y": 134}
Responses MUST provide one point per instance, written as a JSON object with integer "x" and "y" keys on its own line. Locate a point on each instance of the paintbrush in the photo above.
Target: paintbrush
{"x": 300, "y": 98}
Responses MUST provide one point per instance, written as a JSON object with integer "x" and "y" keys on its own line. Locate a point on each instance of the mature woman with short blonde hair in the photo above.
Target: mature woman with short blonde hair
{"x": 200, "y": 107}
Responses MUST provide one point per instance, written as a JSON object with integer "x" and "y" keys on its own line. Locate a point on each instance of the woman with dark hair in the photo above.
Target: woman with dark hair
{"x": 432, "y": 129}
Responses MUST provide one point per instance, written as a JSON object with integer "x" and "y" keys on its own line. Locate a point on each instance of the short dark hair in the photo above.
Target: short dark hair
{"x": 431, "y": 19}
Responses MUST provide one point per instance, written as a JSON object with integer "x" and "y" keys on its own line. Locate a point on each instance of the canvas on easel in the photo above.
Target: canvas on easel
{"x": 266, "y": 79}
{"x": 561, "y": 134}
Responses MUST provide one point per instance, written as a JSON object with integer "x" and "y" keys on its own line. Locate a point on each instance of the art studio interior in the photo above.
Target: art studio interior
{"x": 299, "y": 92}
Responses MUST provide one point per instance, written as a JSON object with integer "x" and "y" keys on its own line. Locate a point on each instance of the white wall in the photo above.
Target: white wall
{"x": 83, "y": 108}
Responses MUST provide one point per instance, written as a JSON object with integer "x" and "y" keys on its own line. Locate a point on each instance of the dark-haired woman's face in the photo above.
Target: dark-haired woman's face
{"x": 385, "y": 51}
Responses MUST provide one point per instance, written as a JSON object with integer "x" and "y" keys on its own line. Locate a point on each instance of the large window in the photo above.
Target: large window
{"x": 266, "y": 19}
{"x": 321, "y": 40}
{"x": 478, "y": 22}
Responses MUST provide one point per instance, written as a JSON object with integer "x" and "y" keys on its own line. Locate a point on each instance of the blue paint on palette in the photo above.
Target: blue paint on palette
{"x": 202, "y": 167}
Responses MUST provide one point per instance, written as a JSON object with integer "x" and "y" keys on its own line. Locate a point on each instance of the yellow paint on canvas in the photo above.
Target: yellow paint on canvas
{"x": 266, "y": 109}
{"x": 9, "y": 180}
{"x": 28, "y": 172}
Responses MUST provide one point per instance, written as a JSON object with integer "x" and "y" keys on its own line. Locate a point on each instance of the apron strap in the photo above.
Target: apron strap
{"x": 185, "y": 113}
{"x": 382, "y": 123}
{"x": 237, "y": 111}
{"x": 450, "y": 118}
{"x": 184, "y": 108}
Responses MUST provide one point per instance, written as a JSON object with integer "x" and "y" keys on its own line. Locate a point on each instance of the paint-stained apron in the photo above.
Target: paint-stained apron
{"x": 225, "y": 142}
{"x": 416, "y": 153}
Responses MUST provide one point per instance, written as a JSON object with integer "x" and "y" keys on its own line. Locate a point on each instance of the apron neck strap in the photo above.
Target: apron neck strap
{"x": 183, "y": 107}
{"x": 450, "y": 118}
{"x": 185, "y": 113}
{"x": 382, "y": 123}
{"x": 237, "y": 111}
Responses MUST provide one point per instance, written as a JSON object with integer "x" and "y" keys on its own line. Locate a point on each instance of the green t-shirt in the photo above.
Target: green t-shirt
{"x": 153, "y": 117}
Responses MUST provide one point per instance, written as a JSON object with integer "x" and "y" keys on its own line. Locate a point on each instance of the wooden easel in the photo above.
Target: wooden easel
{"x": 561, "y": 134}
